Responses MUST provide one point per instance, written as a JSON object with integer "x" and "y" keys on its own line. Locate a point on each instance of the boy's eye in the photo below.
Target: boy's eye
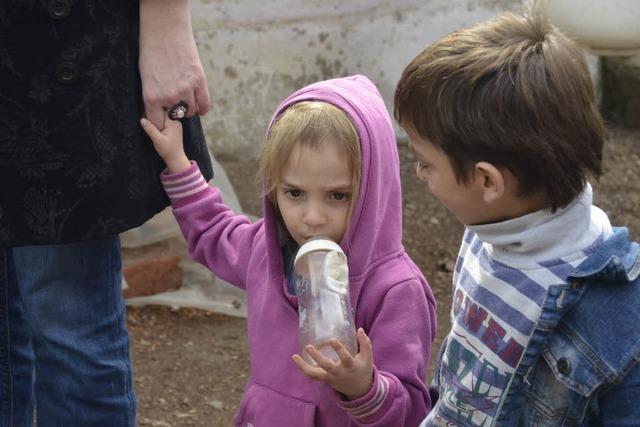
{"x": 294, "y": 194}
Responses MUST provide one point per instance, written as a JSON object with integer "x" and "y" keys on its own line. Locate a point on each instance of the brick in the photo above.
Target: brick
{"x": 150, "y": 277}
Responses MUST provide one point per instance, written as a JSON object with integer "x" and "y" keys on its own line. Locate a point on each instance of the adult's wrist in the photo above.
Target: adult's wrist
{"x": 164, "y": 14}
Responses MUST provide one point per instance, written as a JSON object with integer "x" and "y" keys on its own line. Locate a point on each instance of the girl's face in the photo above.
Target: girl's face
{"x": 314, "y": 194}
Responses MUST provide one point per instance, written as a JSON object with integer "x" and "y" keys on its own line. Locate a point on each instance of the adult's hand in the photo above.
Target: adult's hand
{"x": 169, "y": 64}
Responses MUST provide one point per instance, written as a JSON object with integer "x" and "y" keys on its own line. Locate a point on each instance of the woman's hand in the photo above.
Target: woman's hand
{"x": 168, "y": 143}
{"x": 170, "y": 67}
{"x": 351, "y": 375}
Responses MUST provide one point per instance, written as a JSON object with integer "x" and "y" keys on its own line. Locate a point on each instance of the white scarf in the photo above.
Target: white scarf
{"x": 543, "y": 236}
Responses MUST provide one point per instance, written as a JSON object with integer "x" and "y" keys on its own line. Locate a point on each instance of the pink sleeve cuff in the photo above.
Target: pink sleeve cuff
{"x": 369, "y": 405}
{"x": 185, "y": 186}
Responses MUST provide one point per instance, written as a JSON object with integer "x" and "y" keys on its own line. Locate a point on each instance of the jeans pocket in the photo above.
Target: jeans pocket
{"x": 263, "y": 407}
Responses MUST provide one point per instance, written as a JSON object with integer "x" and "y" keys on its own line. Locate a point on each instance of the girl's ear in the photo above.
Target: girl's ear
{"x": 490, "y": 180}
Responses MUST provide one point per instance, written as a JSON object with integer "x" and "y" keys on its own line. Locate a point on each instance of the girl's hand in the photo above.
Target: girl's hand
{"x": 168, "y": 143}
{"x": 351, "y": 376}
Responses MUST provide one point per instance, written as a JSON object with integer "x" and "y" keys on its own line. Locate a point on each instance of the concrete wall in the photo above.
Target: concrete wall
{"x": 255, "y": 53}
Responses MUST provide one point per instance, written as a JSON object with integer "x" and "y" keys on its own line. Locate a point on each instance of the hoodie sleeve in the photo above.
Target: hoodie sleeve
{"x": 217, "y": 237}
{"x": 401, "y": 334}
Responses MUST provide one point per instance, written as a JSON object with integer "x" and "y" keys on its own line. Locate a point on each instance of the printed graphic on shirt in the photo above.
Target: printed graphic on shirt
{"x": 494, "y": 313}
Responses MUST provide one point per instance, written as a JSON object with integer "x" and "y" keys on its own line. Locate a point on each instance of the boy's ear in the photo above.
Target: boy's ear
{"x": 490, "y": 180}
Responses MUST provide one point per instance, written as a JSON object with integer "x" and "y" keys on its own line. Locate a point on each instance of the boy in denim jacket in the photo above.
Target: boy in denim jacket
{"x": 503, "y": 122}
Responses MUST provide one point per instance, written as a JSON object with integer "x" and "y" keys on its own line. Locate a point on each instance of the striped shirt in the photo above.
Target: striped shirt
{"x": 500, "y": 282}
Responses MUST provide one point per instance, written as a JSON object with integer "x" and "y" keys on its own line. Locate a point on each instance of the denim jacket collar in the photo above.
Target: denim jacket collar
{"x": 615, "y": 260}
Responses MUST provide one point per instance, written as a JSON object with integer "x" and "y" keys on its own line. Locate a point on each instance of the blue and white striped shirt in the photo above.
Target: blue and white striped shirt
{"x": 501, "y": 279}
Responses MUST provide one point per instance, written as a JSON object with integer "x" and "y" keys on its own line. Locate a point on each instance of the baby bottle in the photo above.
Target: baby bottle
{"x": 322, "y": 287}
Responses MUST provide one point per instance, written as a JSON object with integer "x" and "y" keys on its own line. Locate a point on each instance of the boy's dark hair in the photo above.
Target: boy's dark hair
{"x": 512, "y": 91}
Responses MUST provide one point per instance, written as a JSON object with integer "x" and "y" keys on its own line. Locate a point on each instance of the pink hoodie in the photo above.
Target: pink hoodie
{"x": 391, "y": 298}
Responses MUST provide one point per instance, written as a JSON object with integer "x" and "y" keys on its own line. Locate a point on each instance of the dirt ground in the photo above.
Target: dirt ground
{"x": 191, "y": 366}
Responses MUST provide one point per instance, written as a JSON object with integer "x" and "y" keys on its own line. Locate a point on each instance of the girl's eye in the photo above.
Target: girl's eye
{"x": 339, "y": 196}
{"x": 294, "y": 194}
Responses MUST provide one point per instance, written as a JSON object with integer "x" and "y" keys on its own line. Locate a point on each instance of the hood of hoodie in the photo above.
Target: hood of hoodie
{"x": 375, "y": 226}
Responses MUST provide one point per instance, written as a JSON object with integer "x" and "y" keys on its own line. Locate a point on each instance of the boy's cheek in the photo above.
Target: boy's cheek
{"x": 422, "y": 176}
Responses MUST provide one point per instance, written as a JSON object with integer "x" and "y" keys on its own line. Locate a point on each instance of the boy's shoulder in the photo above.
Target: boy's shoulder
{"x": 616, "y": 259}
{"x": 606, "y": 315}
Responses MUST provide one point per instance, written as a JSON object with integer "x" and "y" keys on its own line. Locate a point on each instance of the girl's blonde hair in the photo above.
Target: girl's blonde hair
{"x": 311, "y": 124}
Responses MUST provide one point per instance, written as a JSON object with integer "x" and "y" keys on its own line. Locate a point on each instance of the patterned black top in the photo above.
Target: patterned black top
{"x": 74, "y": 161}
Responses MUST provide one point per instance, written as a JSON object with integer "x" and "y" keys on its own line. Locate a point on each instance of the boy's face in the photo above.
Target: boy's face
{"x": 434, "y": 169}
{"x": 314, "y": 194}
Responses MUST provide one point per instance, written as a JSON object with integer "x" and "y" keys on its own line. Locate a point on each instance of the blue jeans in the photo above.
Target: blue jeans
{"x": 64, "y": 346}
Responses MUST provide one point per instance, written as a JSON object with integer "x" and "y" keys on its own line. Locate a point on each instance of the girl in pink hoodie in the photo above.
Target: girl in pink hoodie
{"x": 330, "y": 168}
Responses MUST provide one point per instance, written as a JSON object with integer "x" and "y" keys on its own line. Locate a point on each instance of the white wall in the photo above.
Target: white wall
{"x": 255, "y": 53}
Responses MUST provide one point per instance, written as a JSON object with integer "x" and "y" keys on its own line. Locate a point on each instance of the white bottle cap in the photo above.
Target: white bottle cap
{"x": 319, "y": 244}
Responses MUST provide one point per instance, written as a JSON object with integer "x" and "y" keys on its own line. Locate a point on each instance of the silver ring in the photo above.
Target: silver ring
{"x": 178, "y": 110}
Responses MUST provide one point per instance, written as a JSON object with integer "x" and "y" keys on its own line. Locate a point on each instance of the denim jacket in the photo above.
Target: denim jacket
{"x": 581, "y": 367}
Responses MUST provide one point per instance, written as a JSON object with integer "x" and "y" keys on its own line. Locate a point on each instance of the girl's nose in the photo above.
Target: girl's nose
{"x": 314, "y": 215}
